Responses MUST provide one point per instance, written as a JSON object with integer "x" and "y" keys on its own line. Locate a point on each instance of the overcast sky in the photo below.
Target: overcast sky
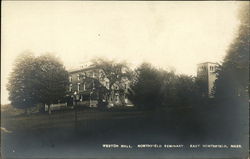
{"x": 167, "y": 34}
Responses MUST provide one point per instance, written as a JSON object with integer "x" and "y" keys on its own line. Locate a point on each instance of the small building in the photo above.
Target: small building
{"x": 207, "y": 73}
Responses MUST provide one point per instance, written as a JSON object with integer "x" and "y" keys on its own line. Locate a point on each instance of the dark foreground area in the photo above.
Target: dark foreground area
{"x": 169, "y": 133}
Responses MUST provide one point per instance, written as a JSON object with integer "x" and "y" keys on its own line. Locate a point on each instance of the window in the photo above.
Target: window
{"x": 93, "y": 84}
{"x": 70, "y": 87}
{"x": 93, "y": 74}
{"x": 107, "y": 84}
{"x": 100, "y": 74}
{"x": 211, "y": 68}
{"x": 126, "y": 99}
{"x": 78, "y": 86}
{"x": 84, "y": 86}
{"x": 116, "y": 98}
{"x": 78, "y": 77}
{"x": 70, "y": 78}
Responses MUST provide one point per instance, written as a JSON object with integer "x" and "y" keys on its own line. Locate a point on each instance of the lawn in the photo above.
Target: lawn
{"x": 43, "y": 136}
{"x": 61, "y": 118}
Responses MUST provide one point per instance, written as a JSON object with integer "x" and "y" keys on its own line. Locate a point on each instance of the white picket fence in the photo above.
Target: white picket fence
{"x": 58, "y": 106}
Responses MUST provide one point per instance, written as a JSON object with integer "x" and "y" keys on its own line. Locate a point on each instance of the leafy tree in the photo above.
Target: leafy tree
{"x": 168, "y": 88}
{"x": 201, "y": 88}
{"x": 153, "y": 88}
{"x": 232, "y": 84}
{"x": 50, "y": 80}
{"x": 186, "y": 90}
{"x": 178, "y": 90}
{"x": 20, "y": 86}
{"x": 37, "y": 80}
{"x": 116, "y": 73}
{"x": 233, "y": 79}
{"x": 94, "y": 86}
{"x": 146, "y": 89}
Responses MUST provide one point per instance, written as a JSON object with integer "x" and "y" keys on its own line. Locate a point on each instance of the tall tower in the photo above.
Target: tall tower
{"x": 206, "y": 72}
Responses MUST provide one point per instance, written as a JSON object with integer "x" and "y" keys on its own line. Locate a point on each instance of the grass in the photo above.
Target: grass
{"x": 13, "y": 119}
{"x": 53, "y": 134}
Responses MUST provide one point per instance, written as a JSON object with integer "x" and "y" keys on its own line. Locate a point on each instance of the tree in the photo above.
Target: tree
{"x": 146, "y": 89}
{"x": 20, "y": 86}
{"x": 154, "y": 88}
{"x": 50, "y": 80}
{"x": 233, "y": 81}
{"x": 232, "y": 84}
{"x": 177, "y": 90}
{"x": 186, "y": 90}
{"x": 116, "y": 73}
{"x": 168, "y": 88}
{"x": 37, "y": 80}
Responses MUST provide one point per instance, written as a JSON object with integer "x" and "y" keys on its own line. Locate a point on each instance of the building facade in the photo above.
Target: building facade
{"x": 207, "y": 73}
{"x": 93, "y": 88}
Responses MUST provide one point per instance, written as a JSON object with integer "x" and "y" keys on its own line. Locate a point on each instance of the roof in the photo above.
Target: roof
{"x": 208, "y": 63}
{"x": 81, "y": 69}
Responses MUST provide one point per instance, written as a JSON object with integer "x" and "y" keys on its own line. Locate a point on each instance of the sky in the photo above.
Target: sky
{"x": 170, "y": 35}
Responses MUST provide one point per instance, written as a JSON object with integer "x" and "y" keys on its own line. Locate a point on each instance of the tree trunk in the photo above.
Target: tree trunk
{"x": 49, "y": 110}
{"x": 26, "y": 111}
{"x": 108, "y": 95}
{"x": 122, "y": 99}
{"x": 42, "y": 108}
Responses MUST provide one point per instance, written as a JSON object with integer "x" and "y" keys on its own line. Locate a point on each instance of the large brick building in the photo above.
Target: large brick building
{"x": 92, "y": 87}
{"x": 206, "y": 72}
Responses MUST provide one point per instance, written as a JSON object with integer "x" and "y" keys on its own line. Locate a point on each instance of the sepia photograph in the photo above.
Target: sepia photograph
{"x": 125, "y": 79}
